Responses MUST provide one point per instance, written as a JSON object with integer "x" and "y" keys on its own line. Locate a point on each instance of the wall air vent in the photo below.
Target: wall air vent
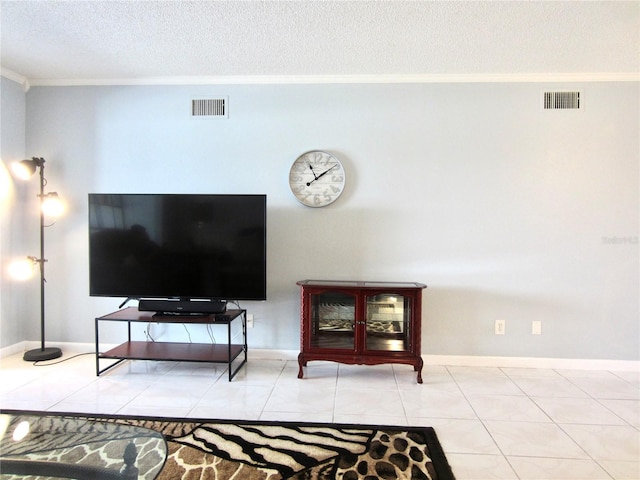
{"x": 209, "y": 107}
{"x": 561, "y": 100}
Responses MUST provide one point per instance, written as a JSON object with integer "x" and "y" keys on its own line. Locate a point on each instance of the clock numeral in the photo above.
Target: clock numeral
{"x": 319, "y": 199}
{"x": 317, "y": 156}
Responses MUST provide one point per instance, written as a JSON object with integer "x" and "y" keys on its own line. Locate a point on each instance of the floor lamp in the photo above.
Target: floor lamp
{"x": 51, "y": 205}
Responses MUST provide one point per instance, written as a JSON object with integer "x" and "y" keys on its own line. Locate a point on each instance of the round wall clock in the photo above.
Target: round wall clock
{"x": 316, "y": 178}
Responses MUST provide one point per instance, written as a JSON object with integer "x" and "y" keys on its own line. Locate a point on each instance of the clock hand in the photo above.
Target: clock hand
{"x": 326, "y": 171}
{"x": 318, "y": 177}
{"x": 314, "y": 173}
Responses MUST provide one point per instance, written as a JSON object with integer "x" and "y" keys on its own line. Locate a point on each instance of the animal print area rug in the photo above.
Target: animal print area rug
{"x": 255, "y": 450}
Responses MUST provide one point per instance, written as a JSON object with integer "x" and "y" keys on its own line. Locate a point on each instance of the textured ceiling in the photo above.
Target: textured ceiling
{"x": 46, "y": 41}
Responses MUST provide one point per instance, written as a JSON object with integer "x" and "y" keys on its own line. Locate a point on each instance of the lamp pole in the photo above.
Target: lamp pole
{"x": 42, "y": 353}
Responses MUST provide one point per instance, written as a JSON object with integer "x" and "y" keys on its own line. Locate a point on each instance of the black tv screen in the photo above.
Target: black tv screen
{"x": 177, "y": 246}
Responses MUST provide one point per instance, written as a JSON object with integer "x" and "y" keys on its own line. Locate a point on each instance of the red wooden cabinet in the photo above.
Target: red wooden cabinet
{"x": 365, "y": 323}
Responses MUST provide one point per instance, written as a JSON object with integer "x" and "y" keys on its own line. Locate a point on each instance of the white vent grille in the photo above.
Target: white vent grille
{"x": 561, "y": 100}
{"x": 209, "y": 107}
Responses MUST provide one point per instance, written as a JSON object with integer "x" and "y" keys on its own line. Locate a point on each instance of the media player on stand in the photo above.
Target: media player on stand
{"x": 182, "y": 306}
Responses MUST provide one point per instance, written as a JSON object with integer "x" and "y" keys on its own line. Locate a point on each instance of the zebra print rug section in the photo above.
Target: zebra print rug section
{"x": 204, "y": 449}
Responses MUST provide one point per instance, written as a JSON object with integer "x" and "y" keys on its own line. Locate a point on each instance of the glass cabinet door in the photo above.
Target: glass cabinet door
{"x": 388, "y": 322}
{"x": 333, "y": 317}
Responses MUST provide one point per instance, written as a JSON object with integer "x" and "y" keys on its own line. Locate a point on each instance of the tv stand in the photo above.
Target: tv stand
{"x": 171, "y": 351}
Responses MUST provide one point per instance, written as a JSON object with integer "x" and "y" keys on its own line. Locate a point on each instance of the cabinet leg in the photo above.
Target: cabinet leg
{"x": 418, "y": 368}
{"x": 301, "y": 363}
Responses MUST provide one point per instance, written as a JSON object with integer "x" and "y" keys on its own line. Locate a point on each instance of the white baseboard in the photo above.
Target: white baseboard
{"x": 14, "y": 349}
{"x": 533, "y": 362}
{"x": 68, "y": 348}
{"x": 449, "y": 360}
{"x": 265, "y": 354}
{"x": 498, "y": 362}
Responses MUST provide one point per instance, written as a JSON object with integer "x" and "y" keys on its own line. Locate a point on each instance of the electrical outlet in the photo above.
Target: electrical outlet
{"x": 536, "y": 327}
{"x": 250, "y": 320}
{"x": 500, "y": 327}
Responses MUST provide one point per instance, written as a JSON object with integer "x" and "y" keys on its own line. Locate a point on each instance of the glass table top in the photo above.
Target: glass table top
{"x": 58, "y": 446}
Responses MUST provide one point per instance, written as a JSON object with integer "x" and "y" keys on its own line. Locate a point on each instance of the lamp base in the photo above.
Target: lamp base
{"x": 41, "y": 354}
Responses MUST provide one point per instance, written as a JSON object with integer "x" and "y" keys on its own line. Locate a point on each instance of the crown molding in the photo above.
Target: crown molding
{"x": 16, "y": 77}
{"x": 344, "y": 79}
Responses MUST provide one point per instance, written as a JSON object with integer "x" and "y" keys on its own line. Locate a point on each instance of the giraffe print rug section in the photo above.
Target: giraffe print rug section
{"x": 204, "y": 449}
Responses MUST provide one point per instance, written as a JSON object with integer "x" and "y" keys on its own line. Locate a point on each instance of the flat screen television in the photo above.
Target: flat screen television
{"x": 178, "y": 252}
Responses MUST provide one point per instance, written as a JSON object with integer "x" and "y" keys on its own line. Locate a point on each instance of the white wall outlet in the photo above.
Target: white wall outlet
{"x": 249, "y": 320}
{"x": 536, "y": 327}
{"x": 500, "y": 327}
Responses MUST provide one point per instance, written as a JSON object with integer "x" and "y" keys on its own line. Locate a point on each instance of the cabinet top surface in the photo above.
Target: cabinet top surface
{"x": 358, "y": 284}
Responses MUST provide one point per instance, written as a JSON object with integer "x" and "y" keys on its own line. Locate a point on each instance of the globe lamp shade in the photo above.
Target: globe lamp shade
{"x": 22, "y": 269}
{"x": 52, "y": 205}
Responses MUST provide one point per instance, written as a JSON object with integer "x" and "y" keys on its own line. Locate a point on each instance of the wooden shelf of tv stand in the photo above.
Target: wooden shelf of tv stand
{"x": 173, "y": 351}
{"x": 193, "y": 352}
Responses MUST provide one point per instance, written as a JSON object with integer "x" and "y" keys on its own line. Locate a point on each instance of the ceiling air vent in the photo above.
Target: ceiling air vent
{"x": 209, "y": 107}
{"x": 561, "y": 100}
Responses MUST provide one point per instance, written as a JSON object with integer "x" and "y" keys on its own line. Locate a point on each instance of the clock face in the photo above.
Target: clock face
{"x": 316, "y": 178}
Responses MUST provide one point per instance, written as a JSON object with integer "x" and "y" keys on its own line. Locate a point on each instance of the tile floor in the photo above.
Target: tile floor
{"x": 493, "y": 423}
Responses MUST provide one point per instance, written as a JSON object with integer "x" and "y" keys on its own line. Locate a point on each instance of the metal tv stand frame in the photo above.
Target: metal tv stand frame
{"x": 171, "y": 351}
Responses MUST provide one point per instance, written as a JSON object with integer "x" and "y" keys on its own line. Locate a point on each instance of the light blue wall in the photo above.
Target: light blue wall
{"x": 506, "y": 211}
{"x": 16, "y": 307}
